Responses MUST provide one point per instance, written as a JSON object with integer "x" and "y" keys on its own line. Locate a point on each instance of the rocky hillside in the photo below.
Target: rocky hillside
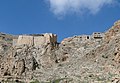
{"x": 71, "y": 61}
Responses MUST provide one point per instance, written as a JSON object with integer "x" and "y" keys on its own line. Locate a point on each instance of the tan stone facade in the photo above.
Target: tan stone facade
{"x": 25, "y": 39}
{"x": 97, "y": 35}
{"x": 85, "y": 37}
{"x": 39, "y": 40}
{"x": 35, "y": 40}
{"x": 15, "y": 42}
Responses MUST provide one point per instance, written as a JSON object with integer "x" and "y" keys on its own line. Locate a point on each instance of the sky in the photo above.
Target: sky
{"x": 65, "y": 18}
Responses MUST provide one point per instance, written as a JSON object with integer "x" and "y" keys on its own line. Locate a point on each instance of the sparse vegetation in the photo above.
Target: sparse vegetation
{"x": 35, "y": 81}
{"x": 74, "y": 60}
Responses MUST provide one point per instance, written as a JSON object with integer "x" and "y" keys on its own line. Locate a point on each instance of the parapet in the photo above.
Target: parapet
{"x": 35, "y": 40}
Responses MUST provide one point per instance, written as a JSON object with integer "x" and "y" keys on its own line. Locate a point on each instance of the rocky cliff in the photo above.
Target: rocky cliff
{"x": 74, "y": 60}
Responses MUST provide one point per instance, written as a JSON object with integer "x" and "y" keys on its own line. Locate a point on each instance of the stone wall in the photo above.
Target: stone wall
{"x": 25, "y": 39}
{"x": 15, "y": 42}
{"x": 39, "y": 40}
{"x": 85, "y": 37}
{"x": 50, "y": 38}
{"x": 97, "y": 35}
{"x": 35, "y": 40}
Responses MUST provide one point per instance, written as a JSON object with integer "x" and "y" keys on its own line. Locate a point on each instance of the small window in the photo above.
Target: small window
{"x": 88, "y": 37}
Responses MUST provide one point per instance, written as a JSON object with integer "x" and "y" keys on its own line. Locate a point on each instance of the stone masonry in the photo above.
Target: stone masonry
{"x": 35, "y": 40}
{"x": 96, "y": 36}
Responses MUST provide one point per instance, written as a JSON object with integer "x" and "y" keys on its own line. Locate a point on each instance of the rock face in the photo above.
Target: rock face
{"x": 115, "y": 30}
{"x": 80, "y": 59}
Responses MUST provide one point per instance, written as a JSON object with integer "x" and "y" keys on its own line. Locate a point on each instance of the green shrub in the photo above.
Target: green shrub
{"x": 35, "y": 81}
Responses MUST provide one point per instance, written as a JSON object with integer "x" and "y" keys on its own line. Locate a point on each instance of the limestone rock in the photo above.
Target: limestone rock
{"x": 112, "y": 31}
{"x": 79, "y": 59}
{"x": 19, "y": 67}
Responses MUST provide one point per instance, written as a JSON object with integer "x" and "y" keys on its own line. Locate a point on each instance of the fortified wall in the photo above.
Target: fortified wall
{"x": 35, "y": 40}
{"x": 43, "y": 39}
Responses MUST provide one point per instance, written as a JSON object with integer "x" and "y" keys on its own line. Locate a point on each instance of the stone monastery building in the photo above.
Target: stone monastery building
{"x": 35, "y": 39}
{"x": 44, "y": 39}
